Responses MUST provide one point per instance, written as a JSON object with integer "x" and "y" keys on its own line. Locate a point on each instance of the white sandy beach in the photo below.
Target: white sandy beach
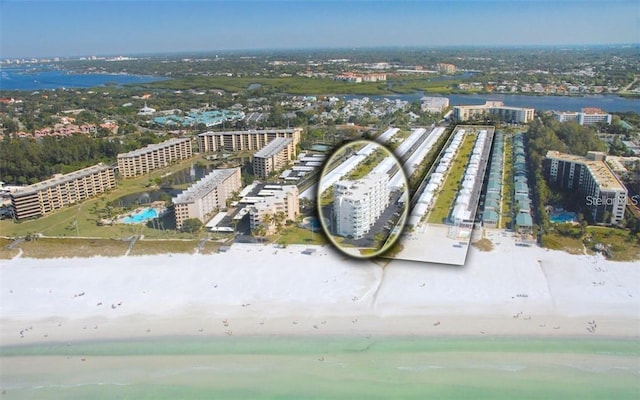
{"x": 261, "y": 290}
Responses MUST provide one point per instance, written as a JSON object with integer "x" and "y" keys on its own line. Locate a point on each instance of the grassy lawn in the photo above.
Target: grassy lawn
{"x": 451, "y": 186}
{"x": 214, "y": 243}
{"x": 5, "y": 253}
{"x": 297, "y": 235}
{"x": 63, "y": 222}
{"x": 622, "y": 246}
{"x": 68, "y": 247}
{"x": 507, "y": 184}
{"x": 148, "y": 247}
{"x": 566, "y": 243}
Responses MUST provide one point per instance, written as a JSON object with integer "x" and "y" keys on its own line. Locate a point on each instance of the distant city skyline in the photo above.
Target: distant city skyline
{"x": 74, "y": 28}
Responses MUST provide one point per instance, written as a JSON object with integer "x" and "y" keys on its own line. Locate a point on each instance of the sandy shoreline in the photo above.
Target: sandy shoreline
{"x": 261, "y": 290}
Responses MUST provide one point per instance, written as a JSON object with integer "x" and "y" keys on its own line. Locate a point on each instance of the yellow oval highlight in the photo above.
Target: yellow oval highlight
{"x": 363, "y": 199}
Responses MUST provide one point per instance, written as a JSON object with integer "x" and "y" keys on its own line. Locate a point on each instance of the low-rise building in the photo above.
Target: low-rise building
{"x": 44, "y": 197}
{"x": 358, "y": 204}
{"x": 207, "y": 195}
{"x": 154, "y": 156}
{"x": 605, "y": 197}
{"x": 273, "y": 157}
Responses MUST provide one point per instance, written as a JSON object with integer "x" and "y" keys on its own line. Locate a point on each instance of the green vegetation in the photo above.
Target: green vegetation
{"x": 556, "y": 241}
{"x": 82, "y": 219}
{"x": 192, "y": 225}
{"x": 6, "y": 253}
{"x": 507, "y": 184}
{"x": 297, "y": 235}
{"x": 426, "y": 164}
{"x": 549, "y": 134}
{"x": 451, "y": 186}
{"x": 616, "y": 244}
{"x": 368, "y": 164}
{"x": 150, "y": 247}
{"x": 291, "y": 85}
{"x": 73, "y": 247}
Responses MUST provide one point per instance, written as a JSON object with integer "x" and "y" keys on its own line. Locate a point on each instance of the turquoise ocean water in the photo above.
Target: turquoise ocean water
{"x": 324, "y": 368}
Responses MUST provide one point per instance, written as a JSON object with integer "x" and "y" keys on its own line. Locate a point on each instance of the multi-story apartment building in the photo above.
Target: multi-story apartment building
{"x": 358, "y": 204}
{"x": 254, "y": 140}
{"x": 207, "y": 195}
{"x": 446, "y": 68}
{"x": 154, "y": 156}
{"x": 359, "y": 78}
{"x": 60, "y": 191}
{"x": 434, "y": 105}
{"x": 587, "y": 116}
{"x": 494, "y": 108}
{"x": 276, "y": 155}
{"x": 604, "y": 195}
{"x": 276, "y": 202}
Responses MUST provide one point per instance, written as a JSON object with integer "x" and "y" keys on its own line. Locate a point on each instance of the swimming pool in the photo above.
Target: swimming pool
{"x": 562, "y": 217}
{"x": 312, "y": 223}
{"x": 141, "y": 216}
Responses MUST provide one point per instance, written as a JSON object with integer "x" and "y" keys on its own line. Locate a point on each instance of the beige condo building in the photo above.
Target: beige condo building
{"x": 605, "y": 196}
{"x": 44, "y": 197}
{"x": 254, "y": 140}
{"x": 273, "y": 157}
{"x": 494, "y": 108}
{"x": 154, "y": 156}
{"x": 275, "y": 201}
{"x": 207, "y": 195}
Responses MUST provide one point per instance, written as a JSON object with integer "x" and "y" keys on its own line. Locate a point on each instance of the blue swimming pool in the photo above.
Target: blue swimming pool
{"x": 142, "y": 216}
{"x": 562, "y": 217}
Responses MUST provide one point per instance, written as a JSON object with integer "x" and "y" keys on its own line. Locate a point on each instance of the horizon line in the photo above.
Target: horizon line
{"x": 328, "y": 48}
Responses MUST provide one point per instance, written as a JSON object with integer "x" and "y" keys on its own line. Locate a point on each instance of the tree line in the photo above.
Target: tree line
{"x": 27, "y": 161}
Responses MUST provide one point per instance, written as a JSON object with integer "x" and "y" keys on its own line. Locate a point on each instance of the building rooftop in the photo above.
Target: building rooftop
{"x": 151, "y": 147}
{"x": 60, "y": 179}
{"x": 599, "y": 169}
{"x": 360, "y": 188}
{"x": 204, "y": 185}
{"x": 272, "y": 148}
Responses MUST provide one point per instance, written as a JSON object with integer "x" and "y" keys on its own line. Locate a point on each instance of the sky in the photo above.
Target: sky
{"x": 90, "y": 27}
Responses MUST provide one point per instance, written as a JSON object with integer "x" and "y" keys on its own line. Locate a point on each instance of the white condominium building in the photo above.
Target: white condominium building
{"x": 273, "y": 157}
{"x": 154, "y": 156}
{"x": 60, "y": 191}
{"x": 207, "y": 195}
{"x": 276, "y": 202}
{"x": 494, "y": 108}
{"x": 358, "y": 204}
{"x": 604, "y": 195}
{"x": 587, "y": 116}
{"x": 210, "y": 142}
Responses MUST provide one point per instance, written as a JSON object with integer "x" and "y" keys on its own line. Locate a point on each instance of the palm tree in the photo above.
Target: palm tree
{"x": 259, "y": 231}
{"x": 279, "y": 220}
{"x": 267, "y": 220}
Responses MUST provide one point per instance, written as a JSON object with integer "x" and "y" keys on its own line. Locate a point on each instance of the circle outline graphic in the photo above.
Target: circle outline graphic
{"x": 395, "y": 230}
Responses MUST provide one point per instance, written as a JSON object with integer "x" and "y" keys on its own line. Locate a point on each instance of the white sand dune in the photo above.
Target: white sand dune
{"x": 255, "y": 289}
